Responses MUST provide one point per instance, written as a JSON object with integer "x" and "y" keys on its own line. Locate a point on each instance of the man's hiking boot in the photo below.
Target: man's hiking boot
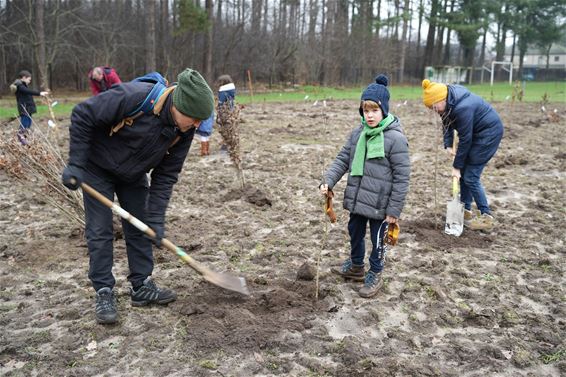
{"x": 483, "y": 222}
{"x": 105, "y": 309}
{"x": 372, "y": 283}
{"x": 149, "y": 293}
{"x": 469, "y": 216}
{"x": 349, "y": 271}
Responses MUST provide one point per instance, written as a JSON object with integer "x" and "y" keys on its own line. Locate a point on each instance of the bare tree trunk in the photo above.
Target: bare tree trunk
{"x": 165, "y": 38}
{"x": 446, "y": 59}
{"x": 150, "y": 64}
{"x": 256, "y": 16}
{"x": 209, "y": 41}
{"x": 397, "y": 7}
{"x": 431, "y": 32}
{"x": 440, "y": 35}
{"x": 522, "y": 51}
{"x": 39, "y": 44}
{"x": 419, "y": 28}
{"x": 513, "y": 47}
{"x": 313, "y": 15}
{"x": 366, "y": 8}
{"x": 326, "y": 30}
{"x": 265, "y": 17}
{"x": 377, "y": 27}
{"x": 482, "y": 54}
{"x": 219, "y": 11}
{"x": 3, "y": 73}
{"x": 303, "y": 20}
{"x": 406, "y": 17}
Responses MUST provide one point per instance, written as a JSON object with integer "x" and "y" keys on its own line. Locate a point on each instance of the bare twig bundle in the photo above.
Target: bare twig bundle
{"x": 228, "y": 120}
{"x": 38, "y": 167}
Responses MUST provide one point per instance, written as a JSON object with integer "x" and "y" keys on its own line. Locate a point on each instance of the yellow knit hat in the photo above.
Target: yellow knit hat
{"x": 433, "y": 92}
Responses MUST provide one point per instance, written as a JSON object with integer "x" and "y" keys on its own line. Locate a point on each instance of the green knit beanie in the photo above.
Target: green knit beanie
{"x": 193, "y": 97}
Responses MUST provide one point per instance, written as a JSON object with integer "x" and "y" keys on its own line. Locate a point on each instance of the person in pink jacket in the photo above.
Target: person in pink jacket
{"x": 102, "y": 79}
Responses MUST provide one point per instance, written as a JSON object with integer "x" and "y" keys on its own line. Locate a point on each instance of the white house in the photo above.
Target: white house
{"x": 535, "y": 58}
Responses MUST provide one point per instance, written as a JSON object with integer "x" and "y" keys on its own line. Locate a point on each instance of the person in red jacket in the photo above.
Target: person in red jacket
{"x": 102, "y": 79}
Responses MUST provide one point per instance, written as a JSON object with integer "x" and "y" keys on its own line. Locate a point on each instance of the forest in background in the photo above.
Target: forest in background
{"x": 320, "y": 42}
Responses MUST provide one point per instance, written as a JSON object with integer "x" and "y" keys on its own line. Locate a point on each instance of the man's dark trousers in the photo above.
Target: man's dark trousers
{"x": 99, "y": 232}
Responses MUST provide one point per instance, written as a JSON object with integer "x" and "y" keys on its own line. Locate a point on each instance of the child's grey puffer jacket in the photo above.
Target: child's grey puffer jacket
{"x": 382, "y": 189}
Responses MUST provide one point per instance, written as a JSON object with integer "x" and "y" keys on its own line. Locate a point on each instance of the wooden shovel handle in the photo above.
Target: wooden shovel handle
{"x": 455, "y": 180}
{"x": 224, "y": 280}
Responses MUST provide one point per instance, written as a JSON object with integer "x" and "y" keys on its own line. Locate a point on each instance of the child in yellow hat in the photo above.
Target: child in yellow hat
{"x": 479, "y": 131}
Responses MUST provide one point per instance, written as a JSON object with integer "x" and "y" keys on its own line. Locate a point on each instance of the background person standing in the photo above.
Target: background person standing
{"x": 26, "y": 104}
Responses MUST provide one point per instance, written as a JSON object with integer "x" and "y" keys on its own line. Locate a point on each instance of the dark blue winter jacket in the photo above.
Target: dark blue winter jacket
{"x": 134, "y": 150}
{"x": 478, "y": 125}
{"x": 24, "y": 97}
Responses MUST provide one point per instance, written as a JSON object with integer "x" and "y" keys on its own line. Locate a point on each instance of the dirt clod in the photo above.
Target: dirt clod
{"x": 306, "y": 272}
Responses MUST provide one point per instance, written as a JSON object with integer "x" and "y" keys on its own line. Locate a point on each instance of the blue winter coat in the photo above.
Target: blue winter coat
{"x": 478, "y": 125}
{"x": 205, "y": 128}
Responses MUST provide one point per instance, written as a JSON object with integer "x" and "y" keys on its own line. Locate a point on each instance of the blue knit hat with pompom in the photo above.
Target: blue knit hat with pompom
{"x": 378, "y": 93}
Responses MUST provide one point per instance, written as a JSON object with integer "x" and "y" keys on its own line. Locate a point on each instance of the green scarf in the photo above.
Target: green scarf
{"x": 372, "y": 139}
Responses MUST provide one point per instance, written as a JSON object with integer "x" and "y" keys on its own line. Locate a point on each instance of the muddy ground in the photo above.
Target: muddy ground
{"x": 484, "y": 304}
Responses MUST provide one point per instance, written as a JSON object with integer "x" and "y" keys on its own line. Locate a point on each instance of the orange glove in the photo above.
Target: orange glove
{"x": 392, "y": 234}
{"x": 328, "y": 207}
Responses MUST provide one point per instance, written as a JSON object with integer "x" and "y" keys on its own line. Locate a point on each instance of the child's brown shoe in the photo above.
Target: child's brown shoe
{"x": 372, "y": 283}
{"x": 350, "y": 271}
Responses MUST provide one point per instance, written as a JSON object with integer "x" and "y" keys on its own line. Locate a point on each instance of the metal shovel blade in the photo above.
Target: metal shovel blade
{"x": 223, "y": 280}
{"x": 454, "y": 218}
{"x": 454, "y": 212}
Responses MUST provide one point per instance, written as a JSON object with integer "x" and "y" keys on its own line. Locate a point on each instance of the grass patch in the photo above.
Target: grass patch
{"x": 533, "y": 92}
{"x": 207, "y": 364}
{"x": 554, "y": 357}
{"x": 9, "y": 110}
{"x": 555, "y": 92}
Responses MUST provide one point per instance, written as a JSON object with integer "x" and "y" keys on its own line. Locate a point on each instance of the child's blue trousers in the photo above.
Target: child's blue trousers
{"x": 357, "y": 229}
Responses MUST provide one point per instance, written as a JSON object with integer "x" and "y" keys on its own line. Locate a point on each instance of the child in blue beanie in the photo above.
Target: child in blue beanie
{"x": 376, "y": 156}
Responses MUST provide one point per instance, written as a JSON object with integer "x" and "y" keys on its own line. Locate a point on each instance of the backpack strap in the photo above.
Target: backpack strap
{"x": 128, "y": 121}
{"x": 156, "y": 106}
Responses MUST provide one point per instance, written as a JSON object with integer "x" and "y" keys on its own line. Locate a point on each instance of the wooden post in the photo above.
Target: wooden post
{"x": 250, "y": 85}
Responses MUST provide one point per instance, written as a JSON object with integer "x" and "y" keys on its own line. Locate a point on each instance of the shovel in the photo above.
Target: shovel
{"x": 226, "y": 281}
{"x": 454, "y": 212}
